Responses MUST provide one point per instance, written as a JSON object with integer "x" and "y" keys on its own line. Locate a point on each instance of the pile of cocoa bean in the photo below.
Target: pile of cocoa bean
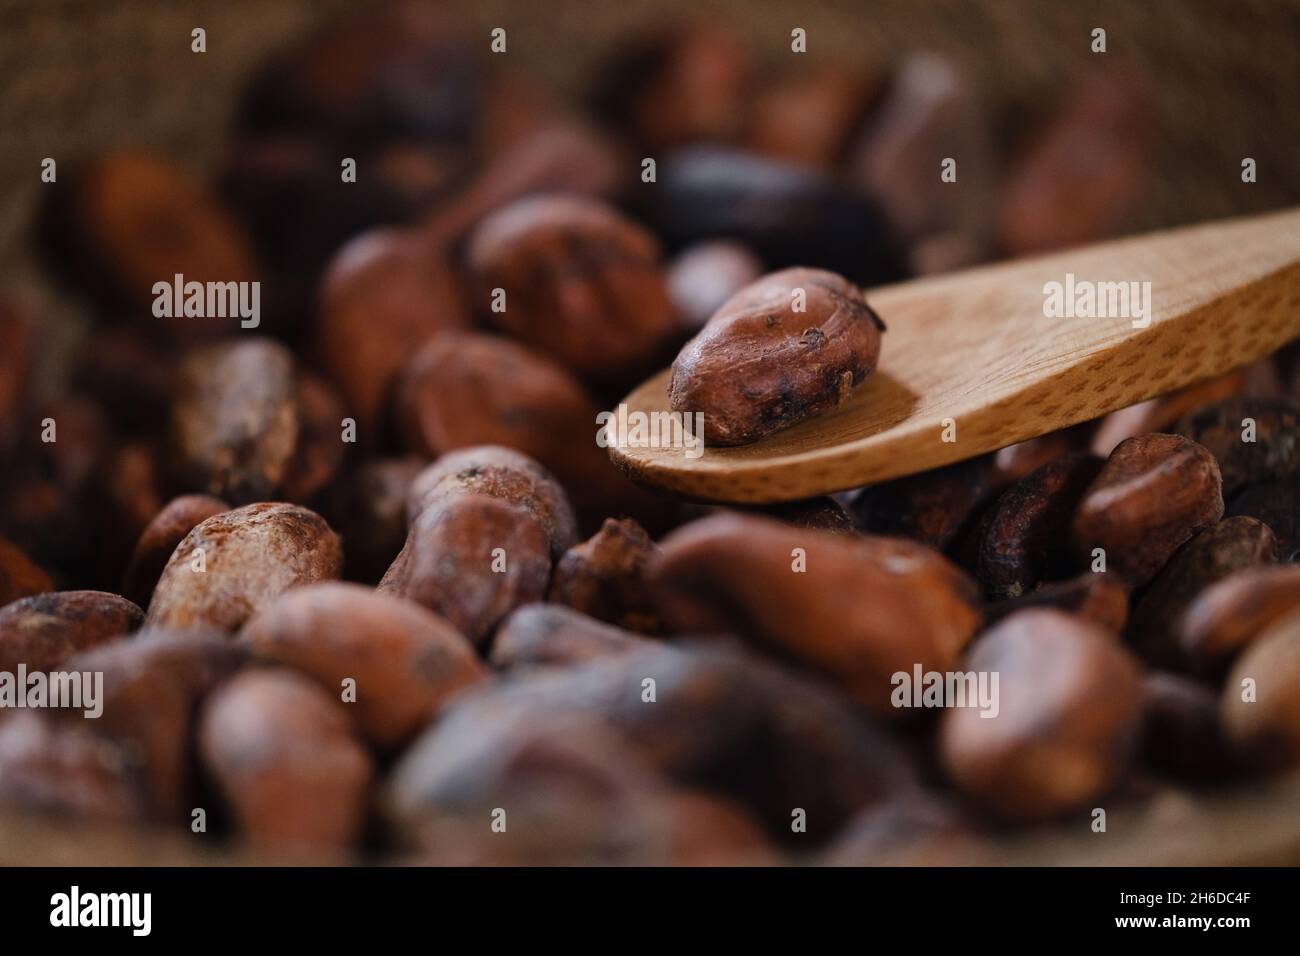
{"x": 361, "y": 585}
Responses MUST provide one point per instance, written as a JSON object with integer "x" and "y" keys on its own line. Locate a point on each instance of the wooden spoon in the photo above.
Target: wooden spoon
{"x": 973, "y": 354}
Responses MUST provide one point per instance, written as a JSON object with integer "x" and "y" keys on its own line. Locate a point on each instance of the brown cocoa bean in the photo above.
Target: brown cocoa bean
{"x": 286, "y": 761}
{"x": 501, "y": 473}
{"x": 552, "y": 634}
{"x": 820, "y": 514}
{"x": 792, "y": 345}
{"x": 720, "y": 721}
{"x": 1154, "y": 493}
{"x": 1086, "y": 170}
{"x": 404, "y": 660}
{"x": 573, "y": 279}
{"x": 1024, "y": 536}
{"x": 472, "y": 559}
{"x": 1212, "y": 555}
{"x": 930, "y": 109}
{"x": 604, "y": 576}
{"x": 234, "y": 563}
{"x": 152, "y": 552}
{"x": 1225, "y": 617}
{"x": 65, "y": 772}
{"x": 566, "y": 790}
{"x": 811, "y": 119}
{"x": 1260, "y": 703}
{"x": 235, "y": 420}
{"x": 1016, "y": 461}
{"x": 857, "y": 609}
{"x": 1068, "y": 713}
{"x": 152, "y": 684}
{"x": 918, "y": 830}
{"x": 44, "y": 630}
{"x": 384, "y": 295}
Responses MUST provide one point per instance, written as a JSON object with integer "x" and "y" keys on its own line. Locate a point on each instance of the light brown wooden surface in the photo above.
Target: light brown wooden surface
{"x": 976, "y": 347}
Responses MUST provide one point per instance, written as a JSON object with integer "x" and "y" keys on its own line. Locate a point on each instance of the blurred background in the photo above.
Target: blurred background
{"x": 82, "y": 75}
{"x": 828, "y": 157}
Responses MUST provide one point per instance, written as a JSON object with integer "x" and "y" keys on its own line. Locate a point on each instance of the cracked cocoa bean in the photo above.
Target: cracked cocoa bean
{"x": 405, "y": 661}
{"x": 792, "y": 345}
{"x": 1153, "y": 494}
{"x": 234, "y": 563}
{"x": 857, "y": 609}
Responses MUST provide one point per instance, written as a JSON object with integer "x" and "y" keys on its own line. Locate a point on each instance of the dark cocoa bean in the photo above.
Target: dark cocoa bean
{"x": 1024, "y": 538}
{"x": 1212, "y": 555}
{"x": 1253, "y": 439}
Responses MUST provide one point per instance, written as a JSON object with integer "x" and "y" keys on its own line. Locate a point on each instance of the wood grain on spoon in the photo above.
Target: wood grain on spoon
{"x": 975, "y": 347}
